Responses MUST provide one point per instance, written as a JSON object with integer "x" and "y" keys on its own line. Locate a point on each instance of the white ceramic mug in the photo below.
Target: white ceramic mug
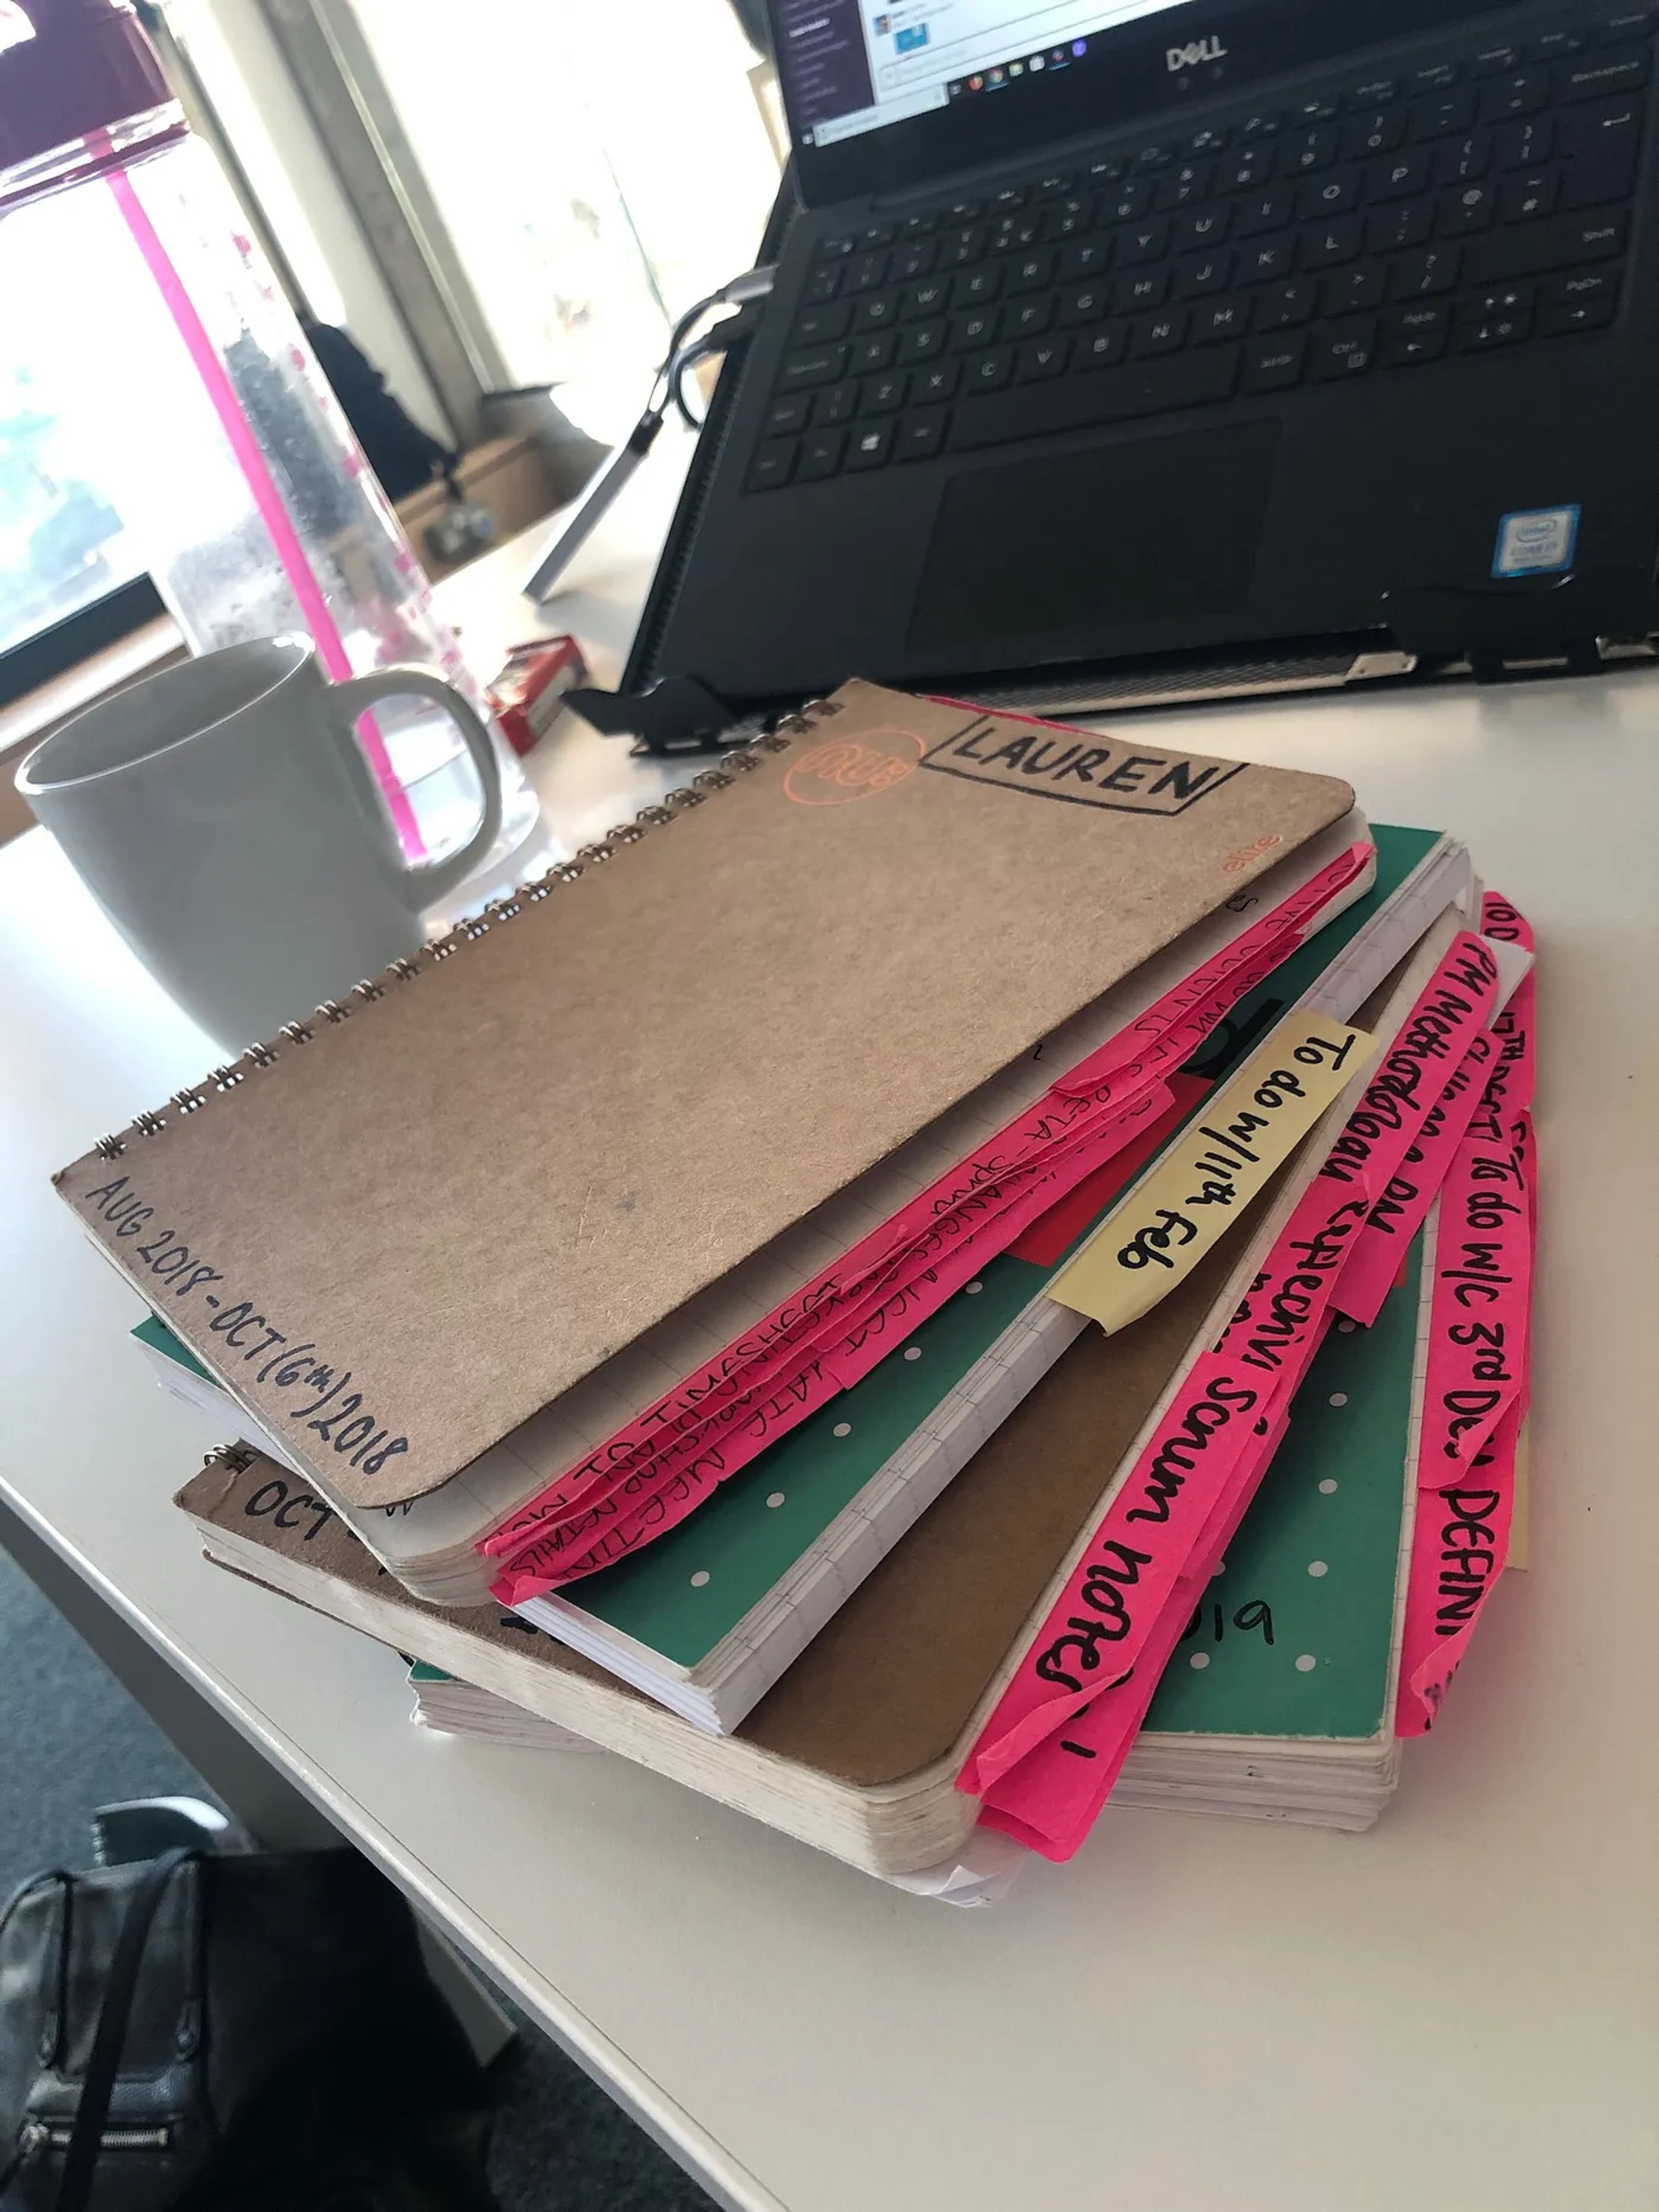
{"x": 224, "y": 817}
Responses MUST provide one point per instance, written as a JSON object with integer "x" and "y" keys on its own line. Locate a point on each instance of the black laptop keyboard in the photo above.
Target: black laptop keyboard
{"x": 1465, "y": 209}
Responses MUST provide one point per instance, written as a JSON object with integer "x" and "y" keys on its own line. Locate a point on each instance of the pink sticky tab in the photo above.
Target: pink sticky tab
{"x": 1459, "y": 1546}
{"x": 1403, "y": 1204}
{"x": 1205, "y": 1453}
{"x": 1477, "y": 1325}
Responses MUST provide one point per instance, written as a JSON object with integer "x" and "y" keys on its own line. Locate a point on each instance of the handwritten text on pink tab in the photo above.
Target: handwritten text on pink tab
{"x": 1454, "y": 1007}
{"x": 1052, "y": 1798}
{"x": 1098, "y": 1628}
{"x": 1458, "y": 1549}
{"x": 1403, "y": 1204}
{"x": 1477, "y": 1314}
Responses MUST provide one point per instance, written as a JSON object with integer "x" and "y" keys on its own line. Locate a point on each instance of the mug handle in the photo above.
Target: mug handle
{"x": 352, "y": 697}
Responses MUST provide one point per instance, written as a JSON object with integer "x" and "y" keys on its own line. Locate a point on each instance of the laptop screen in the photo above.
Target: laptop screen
{"x": 884, "y": 94}
{"x": 851, "y": 66}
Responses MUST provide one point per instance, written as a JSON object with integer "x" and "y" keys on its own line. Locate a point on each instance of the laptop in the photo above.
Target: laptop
{"x": 1142, "y": 351}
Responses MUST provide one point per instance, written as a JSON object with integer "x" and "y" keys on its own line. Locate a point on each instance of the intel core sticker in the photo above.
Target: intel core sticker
{"x": 1538, "y": 543}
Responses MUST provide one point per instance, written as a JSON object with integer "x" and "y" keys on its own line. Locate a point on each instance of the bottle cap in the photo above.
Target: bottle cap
{"x": 88, "y": 68}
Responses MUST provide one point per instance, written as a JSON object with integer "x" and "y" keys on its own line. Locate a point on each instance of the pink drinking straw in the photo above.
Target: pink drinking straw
{"x": 302, "y": 579}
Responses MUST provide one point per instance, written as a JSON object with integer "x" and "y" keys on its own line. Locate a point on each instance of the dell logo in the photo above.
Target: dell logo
{"x": 1201, "y": 50}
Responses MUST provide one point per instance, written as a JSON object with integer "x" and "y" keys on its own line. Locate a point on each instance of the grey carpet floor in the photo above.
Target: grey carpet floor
{"x": 71, "y": 1738}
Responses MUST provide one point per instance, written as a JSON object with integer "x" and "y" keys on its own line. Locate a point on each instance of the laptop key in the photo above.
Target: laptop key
{"x": 1557, "y": 46}
{"x": 1031, "y": 318}
{"x": 1401, "y": 226}
{"x": 1201, "y": 274}
{"x": 938, "y": 382}
{"x": 1329, "y": 243}
{"x": 1148, "y": 241}
{"x": 838, "y": 403}
{"x": 1127, "y": 204}
{"x": 980, "y": 328}
{"x": 1628, "y": 23}
{"x": 1199, "y": 226}
{"x": 1273, "y": 257}
{"x": 1031, "y": 272}
{"x": 1521, "y": 145}
{"x": 773, "y": 464}
{"x": 1410, "y": 335}
{"x": 1349, "y": 291}
{"x": 1524, "y": 93}
{"x": 1598, "y": 75}
{"x": 987, "y": 372}
{"x": 885, "y": 395}
{"x": 817, "y": 365}
{"x": 959, "y": 247}
{"x": 1485, "y": 333}
{"x": 921, "y": 342}
{"x": 824, "y": 325}
{"x": 1221, "y": 319}
{"x": 1492, "y": 61}
{"x": 1147, "y": 288}
{"x": 1042, "y": 359}
{"x": 1254, "y": 166}
{"x": 1556, "y": 322}
{"x": 870, "y": 446}
{"x": 926, "y": 298}
{"x": 824, "y": 283}
{"x": 1344, "y": 349}
{"x": 1441, "y": 114}
{"x": 1377, "y": 92}
{"x": 1087, "y": 304}
{"x": 1080, "y": 403}
{"x": 1330, "y": 195}
{"x": 974, "y": 288}
{"x": 1400, "y": 179}
{"x": 1104, "y": 349}
{"x": 1419, "y": 276}
{"x": 1524, "y": 199}
{"x": 865, "y": 271}
{"x": 1086, "y": 258}
{"x": 785, "y": 417}
{"x": 1378, "y": 132}
{"x": 915, "y": 260}
{"x": 1164, "y": 332}
{"x": 1286, "y": 306}
{"x": 1460, "y": 161}
{"x": 1532, "y": 248}
{"x": 1275, "y": 364}
{"x": 1597, "y": 148}
{"x": 876, "y": 311}
{"x": 866, "y": 355}
{"x": 1261, "y": 212}
{"x": 820, "y": 455}
{"x": 1468, "y": 210}
{"x": 1306, "y": 152}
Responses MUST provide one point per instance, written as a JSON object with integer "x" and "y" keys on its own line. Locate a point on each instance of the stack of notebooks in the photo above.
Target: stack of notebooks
{"x": 667, "y": 1309}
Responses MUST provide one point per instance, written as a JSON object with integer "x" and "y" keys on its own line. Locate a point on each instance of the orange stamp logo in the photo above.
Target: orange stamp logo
{"x": 844, "y": 768}
{"x": 1235, "y": 862}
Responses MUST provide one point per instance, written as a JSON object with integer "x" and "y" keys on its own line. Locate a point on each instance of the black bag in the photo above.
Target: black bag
{"x": 255, "y": 2031}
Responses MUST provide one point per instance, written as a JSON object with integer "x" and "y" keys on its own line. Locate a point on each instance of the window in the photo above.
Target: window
{"x": 598, "y": 169}
{"x": 70, "y": 578}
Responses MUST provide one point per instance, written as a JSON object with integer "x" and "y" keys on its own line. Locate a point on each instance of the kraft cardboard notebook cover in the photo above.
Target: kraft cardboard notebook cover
{"x": 431, "y": 1220}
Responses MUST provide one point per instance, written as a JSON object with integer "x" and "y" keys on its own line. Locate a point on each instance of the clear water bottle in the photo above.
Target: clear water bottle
{"x": 216, "y": 436}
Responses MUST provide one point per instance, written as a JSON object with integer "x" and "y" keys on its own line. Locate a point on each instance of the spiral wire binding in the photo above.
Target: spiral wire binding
{"x": 739, "y": 763}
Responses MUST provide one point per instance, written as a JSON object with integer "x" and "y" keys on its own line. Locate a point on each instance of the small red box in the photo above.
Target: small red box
{"x": 526, "y": 693}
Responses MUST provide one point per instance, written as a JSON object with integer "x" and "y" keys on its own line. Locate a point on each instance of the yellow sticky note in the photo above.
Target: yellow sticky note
{"x": 1154, "y": 1238}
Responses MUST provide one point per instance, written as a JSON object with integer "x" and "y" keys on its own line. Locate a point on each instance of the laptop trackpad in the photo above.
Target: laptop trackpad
{"x": 1160, "y": 530}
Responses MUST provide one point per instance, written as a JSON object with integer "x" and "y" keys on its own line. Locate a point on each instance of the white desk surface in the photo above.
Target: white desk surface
{"x": 1458, "y": 2012}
